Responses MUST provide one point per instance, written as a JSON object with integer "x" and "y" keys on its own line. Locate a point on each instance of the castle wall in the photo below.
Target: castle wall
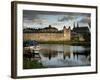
{"x": 47, "y": 36}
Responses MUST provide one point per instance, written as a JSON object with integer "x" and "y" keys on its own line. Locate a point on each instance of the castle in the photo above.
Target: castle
{"x": 48, "y": 34}
{"x": 53, "y": 34}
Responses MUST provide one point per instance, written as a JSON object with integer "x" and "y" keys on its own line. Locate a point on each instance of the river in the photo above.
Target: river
{"x": 59, "y": 55}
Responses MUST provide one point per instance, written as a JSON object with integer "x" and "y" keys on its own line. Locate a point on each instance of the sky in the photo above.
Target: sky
{"x": 41, "y": 19}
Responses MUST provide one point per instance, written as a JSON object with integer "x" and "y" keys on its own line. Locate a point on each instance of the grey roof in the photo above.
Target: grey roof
{"x": 81, "y": 29}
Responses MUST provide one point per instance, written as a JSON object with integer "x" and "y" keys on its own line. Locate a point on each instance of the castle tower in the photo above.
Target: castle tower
{"x": 77, "y": 24}
{"x": 74, "y": 25}
{"x": 69, "y": 28}
{"x": 67, "y": 33}
{"x": 64, "y": 28}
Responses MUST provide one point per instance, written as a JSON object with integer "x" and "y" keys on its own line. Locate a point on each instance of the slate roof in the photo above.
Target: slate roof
{"x": 81, "y": 29}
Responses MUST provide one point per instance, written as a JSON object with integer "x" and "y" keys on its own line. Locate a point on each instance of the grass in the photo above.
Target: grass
{"x": 31, "y": 64}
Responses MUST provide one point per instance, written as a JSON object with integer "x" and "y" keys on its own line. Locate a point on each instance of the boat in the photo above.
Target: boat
{"x": 31, "y": 45}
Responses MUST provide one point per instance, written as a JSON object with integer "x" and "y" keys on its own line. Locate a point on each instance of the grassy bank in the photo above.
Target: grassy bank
{"x": 29, "y": 64}
{"x": 67, "y": 42}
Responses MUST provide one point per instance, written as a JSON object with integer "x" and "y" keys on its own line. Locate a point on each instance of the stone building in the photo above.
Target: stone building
{"x": 48, "y": 34}
{"x": 80, "y": 33}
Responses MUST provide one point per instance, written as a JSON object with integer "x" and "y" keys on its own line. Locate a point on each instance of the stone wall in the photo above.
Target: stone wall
{"x": 62, "y": 36}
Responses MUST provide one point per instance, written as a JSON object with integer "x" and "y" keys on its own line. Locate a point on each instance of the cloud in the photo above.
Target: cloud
{"x": 44, "y": 18}
{"x": 85, "y": 20}
{"x": 74, "y": 16}
{"x": 66, "y": 18}
{"x": 29, "y": 15}
{"x": 31, "y": 18}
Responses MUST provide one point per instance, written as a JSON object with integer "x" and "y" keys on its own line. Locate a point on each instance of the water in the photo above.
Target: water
{"x": 59, "y": 55}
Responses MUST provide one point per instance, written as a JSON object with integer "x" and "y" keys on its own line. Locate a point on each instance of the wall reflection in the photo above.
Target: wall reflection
{"x": 64, "y": 55}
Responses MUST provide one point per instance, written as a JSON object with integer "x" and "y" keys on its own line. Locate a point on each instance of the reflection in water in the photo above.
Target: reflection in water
{"x": 48, "y": 53}
{"x": 55, "y": 55}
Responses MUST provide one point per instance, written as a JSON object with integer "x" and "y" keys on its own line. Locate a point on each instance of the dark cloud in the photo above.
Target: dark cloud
{"x": 31, "y": 14}
{"x": 73, "y": 16}
{"x": 66, "y": 18}
{"x": 78, "y": 14}
{"x": 85, "y": 20}
{"x": 31, "y": 17}
{"x": 28, "y": 15}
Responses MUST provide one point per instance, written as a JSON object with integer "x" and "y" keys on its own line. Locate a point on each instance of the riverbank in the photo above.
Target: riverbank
{"x": 77, "y": 43}
{"x": 31, "y": 64}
